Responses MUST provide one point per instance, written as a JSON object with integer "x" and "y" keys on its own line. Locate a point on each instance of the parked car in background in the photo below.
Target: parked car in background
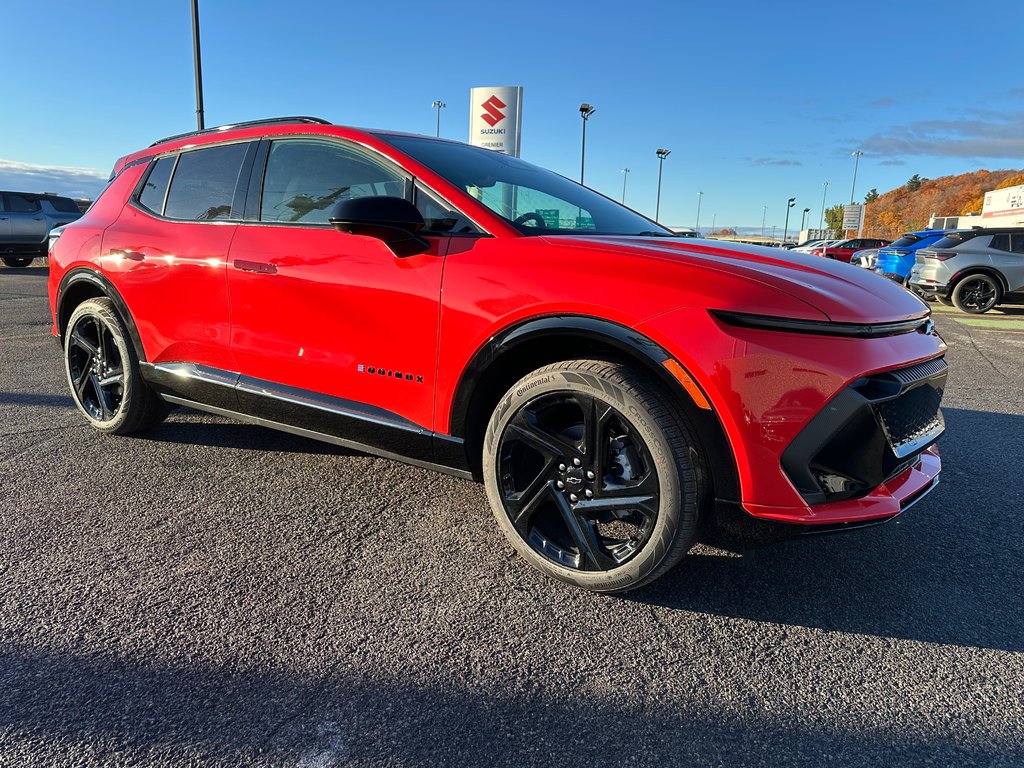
{"x": 896, "y": 259}
{"x": 810, "y": 245}
{"x": 865, "y": 259}
{"x": 974, "y": 269}
{"x": 615, "y": 387}
{"x": 844, "y": 249}
{"x": 25, "y": 223}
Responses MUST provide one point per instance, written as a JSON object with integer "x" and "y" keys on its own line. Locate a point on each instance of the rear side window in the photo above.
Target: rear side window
{"x": 305, "y": 179}
{"x": 204, "y": 183}
{"x": 64, "y": 204}
{"x": 1017, "y": 243}
{"x": 21, "y": 203}
{"x": 904, "y": 241}
{"x": 155, "y": 189}
{"x": 1000, "y": 242}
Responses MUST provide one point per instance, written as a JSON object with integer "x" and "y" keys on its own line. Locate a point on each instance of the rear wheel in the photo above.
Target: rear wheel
{"x": 103, "y": 372}
{"x": 592, "y": 476}
{"x": 977, "y": 294}
{"x": 17, "y": 261}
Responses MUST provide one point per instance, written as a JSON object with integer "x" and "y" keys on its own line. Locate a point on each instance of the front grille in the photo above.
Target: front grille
{"x": 921, "y": 371}
{"x": 912, "y": 418}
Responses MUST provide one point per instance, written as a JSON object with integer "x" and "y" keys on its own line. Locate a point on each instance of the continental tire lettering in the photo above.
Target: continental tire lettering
{"x": 527, "y": 387}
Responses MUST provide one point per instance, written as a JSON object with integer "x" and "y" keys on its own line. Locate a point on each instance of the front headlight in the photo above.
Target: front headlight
{"x": 823, "y": 327}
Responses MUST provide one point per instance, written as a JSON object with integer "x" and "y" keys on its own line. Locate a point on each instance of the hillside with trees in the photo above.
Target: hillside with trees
{"x": 909, "y": 207}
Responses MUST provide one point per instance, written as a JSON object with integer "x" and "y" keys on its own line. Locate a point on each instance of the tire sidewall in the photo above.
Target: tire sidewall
{"x": 104, "y": 310}
{"x": 670, "y": 483}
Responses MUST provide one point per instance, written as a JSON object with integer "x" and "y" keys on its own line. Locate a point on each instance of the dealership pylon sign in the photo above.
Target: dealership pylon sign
{"x": 495, "y": 118}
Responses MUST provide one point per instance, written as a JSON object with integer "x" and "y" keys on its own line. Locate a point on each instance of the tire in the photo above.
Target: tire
{"x": 103, "y": 372}
{"x": 565, "y": 450}
{"x": 977, "y": 293}
{"x": 943, "y": 300}
{"x": 17, "y": 261}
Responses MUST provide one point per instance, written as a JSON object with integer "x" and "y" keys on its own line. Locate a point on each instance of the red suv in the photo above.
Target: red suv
{"x": 614, "y": 386}
{"x": 843, "y": 250}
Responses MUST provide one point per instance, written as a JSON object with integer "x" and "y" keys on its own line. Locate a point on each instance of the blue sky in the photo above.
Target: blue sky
{"x": 758, "y": 101}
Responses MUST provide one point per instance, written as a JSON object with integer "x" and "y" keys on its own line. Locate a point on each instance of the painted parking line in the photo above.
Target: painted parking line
{"x": 992, "y": 322}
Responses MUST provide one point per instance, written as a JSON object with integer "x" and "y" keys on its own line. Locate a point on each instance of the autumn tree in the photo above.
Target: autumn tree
{"x": 834, "y": 218}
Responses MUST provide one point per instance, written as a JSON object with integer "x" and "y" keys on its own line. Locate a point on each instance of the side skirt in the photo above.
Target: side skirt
{"x": 319, "y": 417}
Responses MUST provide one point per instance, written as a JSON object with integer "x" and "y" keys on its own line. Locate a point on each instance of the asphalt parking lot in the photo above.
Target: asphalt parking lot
{"x": 219, "y": 594}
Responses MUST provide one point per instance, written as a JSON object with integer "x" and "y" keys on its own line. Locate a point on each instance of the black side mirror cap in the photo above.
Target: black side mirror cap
{"x": 392, "y": 220}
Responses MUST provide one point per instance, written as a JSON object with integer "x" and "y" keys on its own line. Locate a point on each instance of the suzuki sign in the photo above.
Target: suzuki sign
{"x": 495, "y": 118}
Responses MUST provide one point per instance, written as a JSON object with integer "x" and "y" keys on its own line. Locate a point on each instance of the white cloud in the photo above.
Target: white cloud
{"x": 74, "y": 182}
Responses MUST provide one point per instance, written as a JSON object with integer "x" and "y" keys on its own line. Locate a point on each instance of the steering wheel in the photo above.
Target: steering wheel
{"x": 531, "y": 216}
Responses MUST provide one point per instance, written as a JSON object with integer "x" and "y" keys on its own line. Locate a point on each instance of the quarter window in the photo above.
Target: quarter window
{"x": 204, "y": 183}
{"x": 21, "y": 203}
{"x": 1000, "y": 242}
{"x": 304, "y": 180}
{"x": 1017, "y": 243}
{"x": 155, "y": 189}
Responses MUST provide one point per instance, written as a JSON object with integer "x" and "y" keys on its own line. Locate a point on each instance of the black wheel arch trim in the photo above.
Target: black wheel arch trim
{"x": 966, "y": 272}
{"x": 632, "y": 343}
{"x": 81, "y": 275}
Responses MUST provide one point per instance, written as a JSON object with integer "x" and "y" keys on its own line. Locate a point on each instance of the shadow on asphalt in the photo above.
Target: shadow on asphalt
{"x": 948, "y": 571}
{"x": 34, "y": 398}
{"x": 110, "y": 706}
{"x": 232, "y": 434}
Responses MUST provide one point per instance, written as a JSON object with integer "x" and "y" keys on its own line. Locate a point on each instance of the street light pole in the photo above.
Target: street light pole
{"x": 662, "y": 154}
{"x": 625, "y": 175}
{"x": 821, "y": 219}
{"x": 713, "y": 217}
{"x": 197, "y": 59}
{"x": 856, "y": 162}
{"x": 789, "y": 204}
{"x": 700, "y": 197}
{"x": 438, "y": 105}
{"x": 803, "y": 219}
{"x": 586, "y": 110}
{"x": 764, "y": 214}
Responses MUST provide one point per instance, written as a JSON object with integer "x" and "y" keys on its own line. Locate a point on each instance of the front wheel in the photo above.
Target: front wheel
{"x": 976, "y": 294}
{"x": 593, "y": 476}
{"x": 103, "y": 372}
{"x": 17, "y": 261}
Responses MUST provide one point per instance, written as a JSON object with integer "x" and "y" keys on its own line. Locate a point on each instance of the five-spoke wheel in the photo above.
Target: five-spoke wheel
{"x": 103, "y": 371}
{"x": 592, "y": 476}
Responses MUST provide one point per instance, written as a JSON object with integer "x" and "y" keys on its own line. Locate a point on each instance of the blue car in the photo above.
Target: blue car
{"x": 895, "y": 260}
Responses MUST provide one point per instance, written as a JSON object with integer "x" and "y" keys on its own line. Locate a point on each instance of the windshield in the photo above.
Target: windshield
{"x": 534, "y": 200}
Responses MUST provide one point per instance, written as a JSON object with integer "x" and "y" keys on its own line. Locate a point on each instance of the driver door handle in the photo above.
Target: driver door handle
{"x": 260, "y": 267}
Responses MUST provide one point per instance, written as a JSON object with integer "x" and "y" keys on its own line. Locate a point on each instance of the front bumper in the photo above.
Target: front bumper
{"x": 824, "y": 430}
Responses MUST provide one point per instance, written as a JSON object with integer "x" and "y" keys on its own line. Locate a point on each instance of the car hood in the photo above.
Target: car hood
{"x": 843, "y": 293}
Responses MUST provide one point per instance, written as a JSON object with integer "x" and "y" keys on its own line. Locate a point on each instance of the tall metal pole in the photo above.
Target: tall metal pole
{"x": 764, "y": 215}
{"x": 625, "y": 175}
{"x": 662, "y": 154}
{"x": 438, "y": 105}
{"x": 789, "y": 204}
{"x": 713, "y": 217}
{"x": 856, "y": 162}
{"x": 700, "y": 197}
{"x": 821, "y": 219}
{"x": 803, "y": 219}
{"x": 586, "y": 110}
{"x": 197, "y": 56}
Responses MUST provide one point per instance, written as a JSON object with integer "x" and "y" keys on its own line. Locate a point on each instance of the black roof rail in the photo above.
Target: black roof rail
{"x": 246, "y": 124}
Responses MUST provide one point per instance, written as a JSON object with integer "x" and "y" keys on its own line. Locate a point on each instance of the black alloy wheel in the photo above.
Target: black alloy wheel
{"x": 976, "y": 294}
{"x": 591, "y": 476}
{"x": 578, "y": 482}
{"x": 95, "y": 367}
{"x": 103, "y": 371}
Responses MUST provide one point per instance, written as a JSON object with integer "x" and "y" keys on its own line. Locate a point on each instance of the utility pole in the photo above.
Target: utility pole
{"x": 198, "y": 60}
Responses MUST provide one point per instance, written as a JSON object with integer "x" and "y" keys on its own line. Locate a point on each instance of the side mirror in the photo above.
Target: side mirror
{"x": 392, "y": 220}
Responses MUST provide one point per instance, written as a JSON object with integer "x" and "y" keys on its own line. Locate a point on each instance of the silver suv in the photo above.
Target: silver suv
{"x": 973, "y": 269}
{"x": 26, "y": 221}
